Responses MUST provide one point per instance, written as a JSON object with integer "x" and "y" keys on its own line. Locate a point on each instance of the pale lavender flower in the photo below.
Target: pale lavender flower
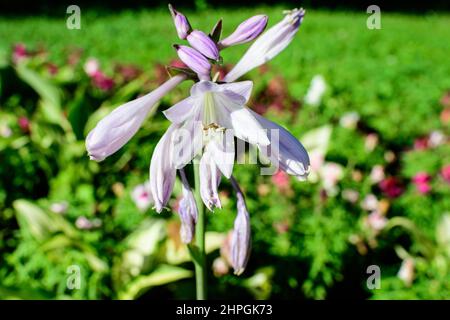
{"x": 370, "y": 203}
{"x": 246, "y": 31}
{"x": 142, "y": 196}
{"x": 287, "y": 153}
{"x": 162, "y": 170}
{"x": 187, "y": 209}
{"x": 349, "y": 120}
{"x": 217, "y": 111}
{"x": 84, "y": 223}
{"x": 209, "y": 181}
{"x": 268, "y": 45}
{"x": 316, "y": 90}
{"x": 116, "y": 129}
{"x": 377, "y": 174}
{"x": 406, "y": 271}
{"x": 91, "y": 67}
{"x": 195, "y": 61}
{"x": 59, "y": 207}
{"x": 203, "y": 44}
{"x": 181, "y": 23}
{"x": 241, "y": 237}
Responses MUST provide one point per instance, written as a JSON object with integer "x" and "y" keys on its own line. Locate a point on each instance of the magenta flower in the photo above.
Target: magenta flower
{"x": 142, "y": 196}
{"x": 422, "y": 182}
{"x": 391, "y": 187}
{"x": 19, "y": 53}
{"x": 445, "y": 172}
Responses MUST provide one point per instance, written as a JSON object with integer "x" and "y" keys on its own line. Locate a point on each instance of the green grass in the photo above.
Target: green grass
{"x": 394, "y": 76}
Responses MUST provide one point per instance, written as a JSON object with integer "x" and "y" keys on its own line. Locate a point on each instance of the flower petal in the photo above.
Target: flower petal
{"x": 180, "y": 111}
{"x": 268, "y": 45}
{"x": 290, "y": 154}
{"x": 209, "y": 181}
{"x": 244, "y": 124}
{"x": 117, "y": 128}
{"x": 162, "y": 170}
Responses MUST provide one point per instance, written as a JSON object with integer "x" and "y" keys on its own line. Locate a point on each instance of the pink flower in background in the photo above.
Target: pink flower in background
{"x": 142, "y": 196}
{"x": 349, "y": 120}
{"x": 84, "y": 223}
{"x": 331, "y": 173}
{"x": 391, "y": 187}
{"x": 436, "y": 139}
{"x": 52, "y": 68}
{"x": 370, "y": 203}
{"x": 350, "y": 195}
{"x": 59, "y": 207}
{"x": 24, "y": 124}
{"x": 91, "y": 67}
{"x": 102, "y": 82}
{"x": 377, "y": 174}
{"x": 99, "y": 79}
{"x": 422, "y": 182}
{"x": 445, "y": 172}
{"x": 5, "y": 131}
{"x": 371, "y": 142}
{"x": 281, "y": 180}
{"x": 376, "y": 221}
{"x": 421, "y": 143}
{"x": 19, "y": 53}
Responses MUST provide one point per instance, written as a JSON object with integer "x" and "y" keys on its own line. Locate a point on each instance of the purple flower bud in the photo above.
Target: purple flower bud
{"x": 246, "y": 31}
{"x": 203, "y": 43}
{"x": 194, "y": 60}
{"x": 241, "y": 238}
{"x": 181, "y": 23}
{"x": 187, "y": 210}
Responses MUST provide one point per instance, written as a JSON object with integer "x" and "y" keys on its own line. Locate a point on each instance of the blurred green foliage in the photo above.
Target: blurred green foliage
{"x": 308, "y": 241}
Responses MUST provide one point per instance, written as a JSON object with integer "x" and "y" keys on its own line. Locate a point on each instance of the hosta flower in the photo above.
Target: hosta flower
{"x": 203, "y": 44}
{"x": 187, "y": 209}
{"x": 181, "y": 23}
{"x": 246, "y": 31}
{"x": 268, "y": 45}
{"x": 240, "y": 240}
{"x": 116, "y": 129}
{"x": 204, "y": 126}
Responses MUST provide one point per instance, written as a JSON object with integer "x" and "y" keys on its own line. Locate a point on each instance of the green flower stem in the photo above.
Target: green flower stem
{"x": 200, "y": 259}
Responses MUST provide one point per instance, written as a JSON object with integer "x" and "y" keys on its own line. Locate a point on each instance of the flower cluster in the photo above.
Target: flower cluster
{"x": 205, "y": 125}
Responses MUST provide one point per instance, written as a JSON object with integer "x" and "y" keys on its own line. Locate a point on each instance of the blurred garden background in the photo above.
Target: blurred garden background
{"x": 371, "y": 106}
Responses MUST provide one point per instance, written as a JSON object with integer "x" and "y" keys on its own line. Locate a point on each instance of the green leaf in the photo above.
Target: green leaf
{"x": 162, "y": 275}
{"x": 47, "y": 91}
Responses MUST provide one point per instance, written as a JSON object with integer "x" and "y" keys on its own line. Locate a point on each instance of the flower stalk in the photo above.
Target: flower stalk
{"x": 200, "y": 259}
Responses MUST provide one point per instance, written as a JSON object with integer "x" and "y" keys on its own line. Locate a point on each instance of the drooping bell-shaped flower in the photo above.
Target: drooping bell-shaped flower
{"x": 194, "y": 60}
{"x": 268, "y": 45}
{"x": 219, "y": 108}
{"x": 285, "y": 151}
{"x": 209, "y": 181}
{"x": 187, "y": 209}
{"x": 117, "y": 128}
{"x": 241, "y": 237}
{"x": 246, "y": 31}
{"x": 203, "y": 44}
{"x": 181, "y": 23}
{"x": 162, "y": 169}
